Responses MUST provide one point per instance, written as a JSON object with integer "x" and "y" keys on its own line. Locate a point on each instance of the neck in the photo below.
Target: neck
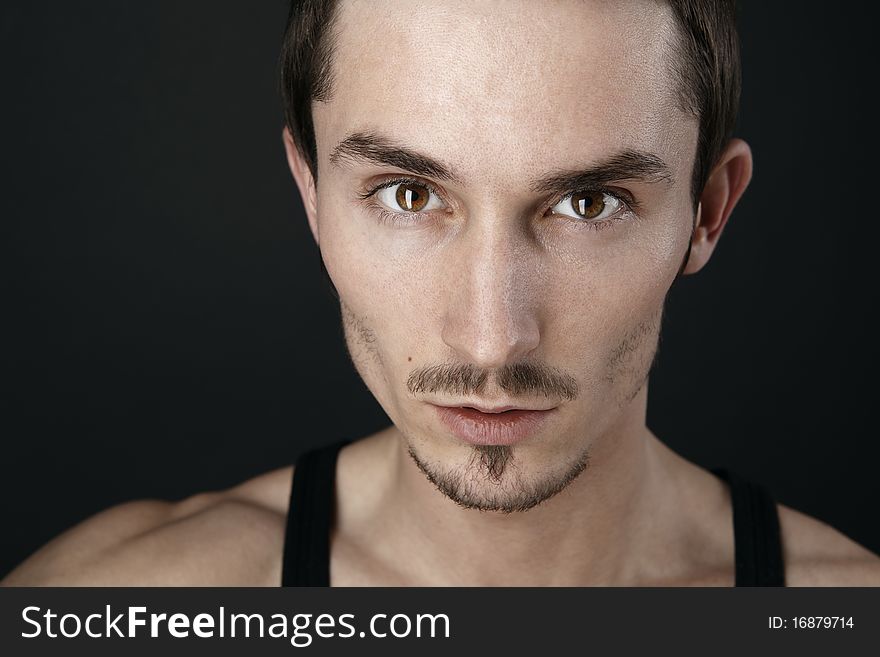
{"x": 599, "y": 530}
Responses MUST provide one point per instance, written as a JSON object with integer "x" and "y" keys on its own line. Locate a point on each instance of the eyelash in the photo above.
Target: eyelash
{"x": 388, "y": 217}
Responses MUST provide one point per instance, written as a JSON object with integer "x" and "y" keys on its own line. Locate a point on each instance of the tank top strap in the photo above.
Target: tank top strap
{"x": 757, "y": 540}
{"x": 306, "y": 555}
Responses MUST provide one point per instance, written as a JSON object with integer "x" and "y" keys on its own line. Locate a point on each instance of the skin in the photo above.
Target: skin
{"x": 494, "y": 296}
{"x": 491, "y": 280}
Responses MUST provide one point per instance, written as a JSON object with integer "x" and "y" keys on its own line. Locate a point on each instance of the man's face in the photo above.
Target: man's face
{"x": 506, "y": 281}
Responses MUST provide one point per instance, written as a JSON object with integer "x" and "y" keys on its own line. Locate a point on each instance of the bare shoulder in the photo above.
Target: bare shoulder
{"x": 231, "y": 537}
{"x": 817, "y": 554}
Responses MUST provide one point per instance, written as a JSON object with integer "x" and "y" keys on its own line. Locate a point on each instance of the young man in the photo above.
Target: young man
{"x": 507, "y": 191}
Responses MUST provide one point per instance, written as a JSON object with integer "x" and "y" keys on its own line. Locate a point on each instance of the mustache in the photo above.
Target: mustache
{"x": 517, "y": 380}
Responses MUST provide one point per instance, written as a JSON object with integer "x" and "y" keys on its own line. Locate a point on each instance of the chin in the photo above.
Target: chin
{"x": 497, "y": 477}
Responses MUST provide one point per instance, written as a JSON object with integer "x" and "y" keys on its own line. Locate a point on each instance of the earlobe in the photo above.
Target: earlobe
{"x": 722, "y": 191}
{"x": 304, "y": 181}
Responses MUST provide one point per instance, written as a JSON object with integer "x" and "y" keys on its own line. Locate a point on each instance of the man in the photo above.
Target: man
{"x": 507, "y": 192}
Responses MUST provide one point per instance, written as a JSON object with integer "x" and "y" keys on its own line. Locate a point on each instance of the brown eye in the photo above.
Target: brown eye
{"x": 588, "y": 205}
{"x": 412, "y": 197}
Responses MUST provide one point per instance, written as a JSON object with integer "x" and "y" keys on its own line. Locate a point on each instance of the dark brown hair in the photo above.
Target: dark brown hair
{"x": 707, "y": 70}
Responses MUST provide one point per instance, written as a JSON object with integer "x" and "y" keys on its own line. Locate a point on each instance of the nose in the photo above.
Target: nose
{"x": 491, "y": 317}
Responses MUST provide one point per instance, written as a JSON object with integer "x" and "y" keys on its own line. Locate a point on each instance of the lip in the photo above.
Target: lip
{"x": 496, "y": 428}
{"x": 497, "y": 409}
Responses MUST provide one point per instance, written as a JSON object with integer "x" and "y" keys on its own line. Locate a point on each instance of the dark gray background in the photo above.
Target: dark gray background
{"x": 166, "y": 330}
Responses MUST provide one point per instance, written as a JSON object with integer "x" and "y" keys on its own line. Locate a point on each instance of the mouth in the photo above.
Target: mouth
{"x": 504, "y": 425}
{"x": 493, "y": 410}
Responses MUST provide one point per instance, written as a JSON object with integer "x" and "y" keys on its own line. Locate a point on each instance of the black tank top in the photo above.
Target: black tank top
{"x": 306, "y": 558}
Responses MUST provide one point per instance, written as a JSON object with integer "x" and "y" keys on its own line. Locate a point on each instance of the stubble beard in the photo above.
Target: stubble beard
{"x": 493, "y": 481}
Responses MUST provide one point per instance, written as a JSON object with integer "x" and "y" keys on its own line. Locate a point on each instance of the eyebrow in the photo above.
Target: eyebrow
{"x": 628, "y": 164}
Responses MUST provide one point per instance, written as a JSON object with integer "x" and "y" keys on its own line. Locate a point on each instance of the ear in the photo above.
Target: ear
{"x": 723, "y": 189}
{"x": 304, "y": 180}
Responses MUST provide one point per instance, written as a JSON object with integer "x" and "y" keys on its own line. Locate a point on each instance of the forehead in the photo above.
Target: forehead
{"x": 514, "y": 83}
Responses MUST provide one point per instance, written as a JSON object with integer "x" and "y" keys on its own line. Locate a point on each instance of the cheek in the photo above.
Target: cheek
{"x": 352, "y": 255}
{"x": 604, "y": 311}
{"x": 381, "y": 287}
